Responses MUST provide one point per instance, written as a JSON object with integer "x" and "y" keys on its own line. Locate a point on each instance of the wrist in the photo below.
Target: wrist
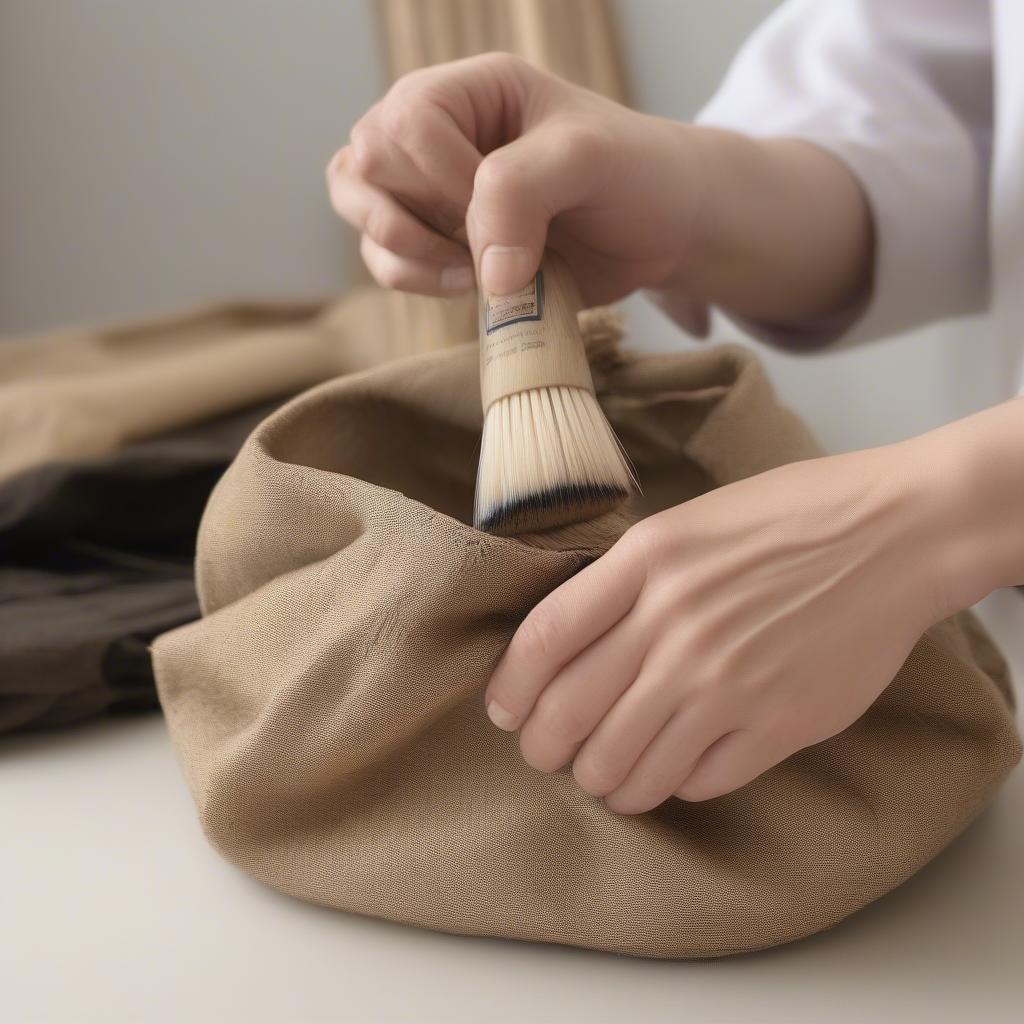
{"x": 704, "y": 241}
{"x": 971, "y": 474}
{"x": 775, "y": 229}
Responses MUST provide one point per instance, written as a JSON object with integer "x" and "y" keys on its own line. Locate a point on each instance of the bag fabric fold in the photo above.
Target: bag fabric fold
{"x": 327, "y": 709}
{"x": 79, "y": 394}
{"x": 110, "y": 442}
{"x": 96, "y": 559}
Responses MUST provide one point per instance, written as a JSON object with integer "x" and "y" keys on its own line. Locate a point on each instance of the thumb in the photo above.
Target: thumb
{"x": 517, "y": 190}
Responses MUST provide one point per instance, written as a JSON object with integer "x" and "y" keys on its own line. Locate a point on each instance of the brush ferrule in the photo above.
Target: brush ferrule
{"x": 548, "y": 456}
{"x": 531, "y": 339}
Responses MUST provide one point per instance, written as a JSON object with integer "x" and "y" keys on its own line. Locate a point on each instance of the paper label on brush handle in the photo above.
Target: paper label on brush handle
{"x": 505, "y": 310}
{"x": 531, "y": 339}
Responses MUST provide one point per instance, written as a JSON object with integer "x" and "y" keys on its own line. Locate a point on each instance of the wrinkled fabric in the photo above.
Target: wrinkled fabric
{"x": 78, "y": 394}
{"x": 327, "y": 709}
{"x": 96, "y": 559}
{"x": 110, "y": 442}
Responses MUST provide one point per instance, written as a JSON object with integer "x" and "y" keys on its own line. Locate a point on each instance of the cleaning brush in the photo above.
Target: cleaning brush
{"x": 548, "y": 456}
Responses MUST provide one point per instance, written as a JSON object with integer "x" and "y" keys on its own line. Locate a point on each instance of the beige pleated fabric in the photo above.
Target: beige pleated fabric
{"x": 327, "y": 710}
{"x": 71, "y": 395}
{"x": 575, "y": 39}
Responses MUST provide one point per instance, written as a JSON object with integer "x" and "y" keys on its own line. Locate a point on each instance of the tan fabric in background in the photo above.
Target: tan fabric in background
{"x": 575, "y": 39}
{"x": 75, "y": 394}
{"x": 72, "y": 395}
{"x": 328, "y": 709}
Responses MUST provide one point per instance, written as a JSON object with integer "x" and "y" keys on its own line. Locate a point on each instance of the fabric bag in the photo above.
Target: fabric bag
{"x": 111, "y": 439}
{"x": 327, "y": 709}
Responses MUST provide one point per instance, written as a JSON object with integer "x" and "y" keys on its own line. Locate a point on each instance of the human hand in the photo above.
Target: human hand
{"x": 490, "y": 150}
{"x": 479, "y": 163}
{"x": 718, "y": 637}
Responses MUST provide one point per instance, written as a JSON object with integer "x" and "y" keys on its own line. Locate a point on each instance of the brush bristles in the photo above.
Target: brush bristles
{"x": 548, "y": 457}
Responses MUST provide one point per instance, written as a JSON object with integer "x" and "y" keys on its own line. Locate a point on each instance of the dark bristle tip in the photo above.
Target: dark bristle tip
{"x": 553, "y": 507}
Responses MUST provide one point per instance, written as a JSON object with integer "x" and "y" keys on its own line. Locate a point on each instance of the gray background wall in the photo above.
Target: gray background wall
{"x": 155, "y": 155}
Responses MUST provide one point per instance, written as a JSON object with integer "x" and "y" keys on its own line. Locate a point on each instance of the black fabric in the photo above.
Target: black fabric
{"x": 96, "y": 559}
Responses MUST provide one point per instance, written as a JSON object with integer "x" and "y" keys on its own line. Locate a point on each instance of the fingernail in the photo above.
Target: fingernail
{"x": 503, "y": 268}
{"x": 457, "y": 279}
{"x": 502, "y": 718}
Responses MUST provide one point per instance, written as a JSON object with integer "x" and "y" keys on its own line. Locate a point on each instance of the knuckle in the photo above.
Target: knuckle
{"x": 536, "y": 639}
{"x": 384, "y": 228}
{"x": 701, "y": 691}
{"x": 698, "y": 690}
{"x": 361, "y": 129}
{"x": 538, "y": 752}
{"x": 562, "y": 716}
{"x": 334, "y": 166}
{"x": 386, "y": 272}
{"x": 596, "y": 774}
{"x": 500, "y": 64}
{"x": 709, "y": 690}
{"x": 368, "y": 155}
{"x": 581, "y": 143}
{"x": 415, "y": 84}
{"x": 501, "y": 60}
{"x": 644, "y": 541}
{"x": 494, "y": 176}
{"x": 390, "y": 276}
{"x": 401, "y": 118}
{"x": 731, "y": 666}
{"x": 709, "y": 646}
{"x": 714, "y": 659}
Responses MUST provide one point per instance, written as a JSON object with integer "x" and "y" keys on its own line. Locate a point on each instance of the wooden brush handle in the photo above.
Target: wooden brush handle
{"x": 531, "y": 339}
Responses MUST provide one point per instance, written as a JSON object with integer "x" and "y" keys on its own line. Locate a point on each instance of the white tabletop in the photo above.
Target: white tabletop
{"x": 116, "y": 909}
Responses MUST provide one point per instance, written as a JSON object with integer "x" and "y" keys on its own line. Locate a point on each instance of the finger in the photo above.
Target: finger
{"x": 663, "y": 686}
{"x": 667, "y": 760}
{"x": 565, "y": 623}
{"x": 575, "y": 701}
{"x": 733, "y": 761}
{"x": 415, "y": 152}
{"x": 381, "y": 217}
{"x": 424, "y": 140}
{"x": 393, "y": 271}
{"x": 517, "y": 190}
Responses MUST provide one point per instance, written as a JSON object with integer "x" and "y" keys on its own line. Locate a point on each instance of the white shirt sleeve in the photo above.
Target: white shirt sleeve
{"x": 901, "y": 91}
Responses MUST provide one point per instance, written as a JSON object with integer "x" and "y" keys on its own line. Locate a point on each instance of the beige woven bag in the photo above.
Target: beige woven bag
{"x": 327, "y": 709}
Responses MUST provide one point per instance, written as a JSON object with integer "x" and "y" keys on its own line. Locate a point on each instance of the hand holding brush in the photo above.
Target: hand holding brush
{"x": 718, "y": 637}
{"x": 548, "y": 456}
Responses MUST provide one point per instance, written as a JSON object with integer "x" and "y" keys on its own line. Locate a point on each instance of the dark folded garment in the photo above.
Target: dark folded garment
{"x": 96, "y": 560}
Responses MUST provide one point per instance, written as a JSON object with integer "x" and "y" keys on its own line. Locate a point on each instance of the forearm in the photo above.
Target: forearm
{"x": 974, "y": 468}
{"x": 784, "y": 230}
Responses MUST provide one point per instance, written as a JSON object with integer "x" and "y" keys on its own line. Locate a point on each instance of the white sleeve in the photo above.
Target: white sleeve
{"x": 901, "y": 91}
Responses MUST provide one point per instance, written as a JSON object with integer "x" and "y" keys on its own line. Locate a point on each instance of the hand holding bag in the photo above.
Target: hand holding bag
{"x": 328, "y": 712}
